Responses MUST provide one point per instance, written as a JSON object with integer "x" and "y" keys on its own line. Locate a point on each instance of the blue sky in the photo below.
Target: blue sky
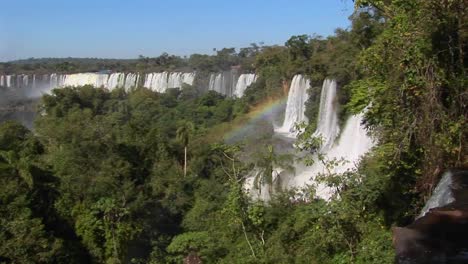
{"x": 128, "y": 28}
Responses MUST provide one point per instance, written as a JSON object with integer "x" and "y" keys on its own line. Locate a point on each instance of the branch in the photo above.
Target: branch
{"x": 247, "y": 239}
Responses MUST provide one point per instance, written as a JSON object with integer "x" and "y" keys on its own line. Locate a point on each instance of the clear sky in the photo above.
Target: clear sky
{"x": 128, "y": 28}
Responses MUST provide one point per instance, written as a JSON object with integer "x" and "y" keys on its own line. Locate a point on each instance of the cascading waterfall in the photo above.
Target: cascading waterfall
{"x": 353, "y": 143}
{"x": 115, "y": 80}
{"x": 156, "y": 81}
{"x": 442, "y": 194}
{"x": 108, "y": 81}
{"x": 216, "y": 83}
{"x": 56, "y": 81}
{"x": 161, "y": 81}
{"x": 327, "y": 123}
{"x": 8, "y": 81}
{"x": 177, "y": 79}
{"x": 80, "y": 79}
{"x": 230, "y": 83}
{"x": 25, "y": 80}
{"x": 45, "y": 83}
{"x": 131, "y": 81}
{"x": 244, "y": 81}
{"x": 295, "y": 106}
{"x": 222, "y": 83}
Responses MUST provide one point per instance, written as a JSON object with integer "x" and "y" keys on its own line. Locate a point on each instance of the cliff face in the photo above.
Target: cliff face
{"x": 286, "y": 85}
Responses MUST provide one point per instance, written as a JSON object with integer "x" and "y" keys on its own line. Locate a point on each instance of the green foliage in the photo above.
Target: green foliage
{"x": 415, "y": 92}
{"x": 268, "y": 164}
{"x": 23, "y": 236}
{"x": 116, "y": 155}
{"x": 102, "y": 177}
{"x": 223, "y": 60}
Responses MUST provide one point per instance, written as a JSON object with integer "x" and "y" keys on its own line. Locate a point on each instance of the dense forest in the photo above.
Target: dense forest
{"x": 143, "y": 177}
{"x": 222, "y": 60}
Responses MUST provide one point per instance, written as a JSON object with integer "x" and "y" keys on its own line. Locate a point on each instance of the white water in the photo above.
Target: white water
{"x": 295, "y": 106}
{"x": 80, "y": 79}
{"x": 115, "y": 80}
{"x": 222, "y": 83}
{"x": 442, "y": 194}
{"x": 327, "y": 123}
{"x": 25, "y": 80}
{"x": 230, "y": 83}
{"x": 45, "y": 83}
{"x": 8, "y": 81}
{"x": 131, "y": 81}
{"x": 263, "y": 193}
{"x": 161, "y": 81}
{"x": 352, "y": 145}
{"x": 244, "y": 81}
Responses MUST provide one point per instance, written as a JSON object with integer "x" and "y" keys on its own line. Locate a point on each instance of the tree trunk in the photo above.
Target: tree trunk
{"x": 185, "y": 161}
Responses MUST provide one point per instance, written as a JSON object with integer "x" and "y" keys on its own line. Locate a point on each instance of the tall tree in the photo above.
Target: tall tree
{"x": 268, "y": 165}
{"x": 183, "y": 136}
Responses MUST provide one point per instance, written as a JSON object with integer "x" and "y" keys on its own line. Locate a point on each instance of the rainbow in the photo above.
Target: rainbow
{"x": 262, "y": 111}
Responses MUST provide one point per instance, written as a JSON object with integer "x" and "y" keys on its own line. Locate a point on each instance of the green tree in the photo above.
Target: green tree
{"x": 269, "y": 165}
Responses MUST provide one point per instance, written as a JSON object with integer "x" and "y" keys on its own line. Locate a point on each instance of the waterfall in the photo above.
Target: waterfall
{"x": 177, "y": 79}
{"x": 224, "y": 83}
{"x": 263, "y": 193}
{"x": 217, "y": 83}
{"x": 188, "y": 78}
{"x": 161, "y": 81}
{"x": 54, "y": 81}
{"x": 25, "y": 80}
{"x": 442, "y": 194}
{"x": 155, "y": 81}
{"x": 353, "y": 143}
{"x": 131, "y": 81}
{"x": 80, "y": 79}
{"x": 115, "y": 80}
{"x": 327, "y": 123}
{"x": 8, "y": 81}
{"x": 244, "y": 81}
{"x": 295, "y": 106}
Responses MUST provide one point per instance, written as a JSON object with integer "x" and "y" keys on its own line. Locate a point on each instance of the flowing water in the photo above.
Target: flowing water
{"x": 35, "y": 85}
{"x": 442, "y": 194}
{"x": 295, "y": 106}
{"x": 228, "y": 83}
{"x": 352, "y": 144}
{"x": 244, "y": 81}
{"x": 231, "y": 84}
{"x": 327, "y": 123}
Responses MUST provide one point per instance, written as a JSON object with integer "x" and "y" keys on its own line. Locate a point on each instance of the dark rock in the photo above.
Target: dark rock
{"x": 441, "y": 235}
